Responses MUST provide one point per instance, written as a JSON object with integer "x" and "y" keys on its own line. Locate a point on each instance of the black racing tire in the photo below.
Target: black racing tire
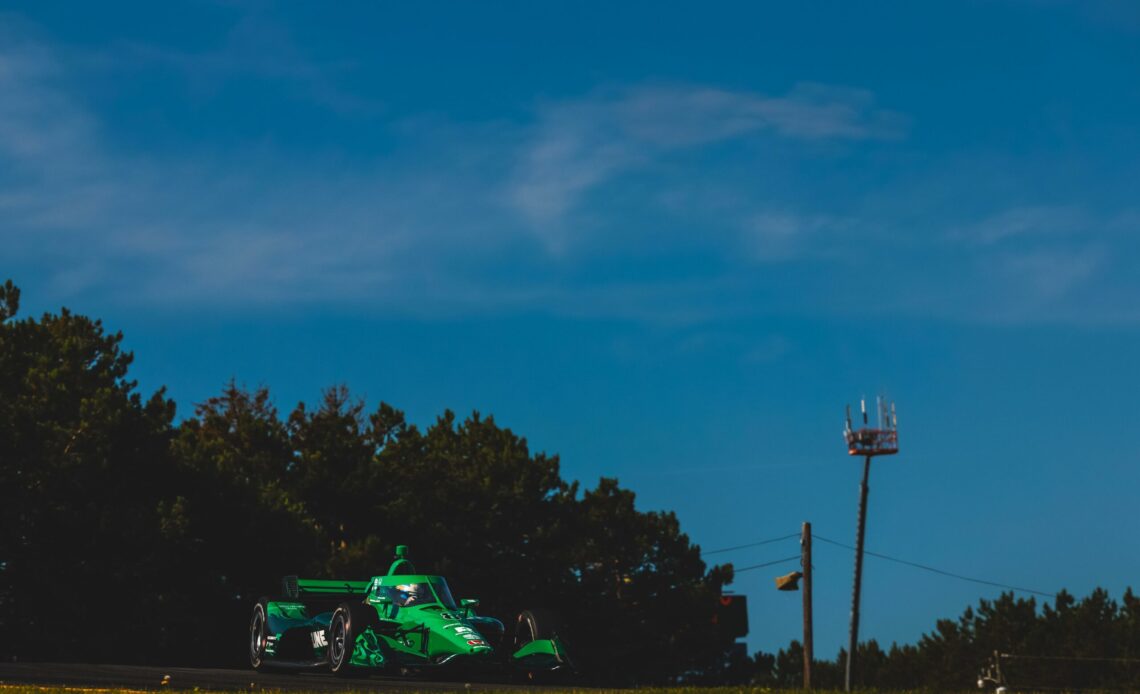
{"x": 535, "y": 624}
{"x": 258, "y": 633}
{"x": 348, "y": 621}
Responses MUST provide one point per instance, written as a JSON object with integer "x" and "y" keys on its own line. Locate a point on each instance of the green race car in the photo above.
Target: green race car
{"x": 399, "y": 622}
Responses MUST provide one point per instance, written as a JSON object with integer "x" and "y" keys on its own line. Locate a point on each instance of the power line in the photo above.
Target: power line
{"x": 916, "y": 565}
{"x": 924, "y": 567}
{"x": 767, "y": 563}
{"x": 750, "y": 544}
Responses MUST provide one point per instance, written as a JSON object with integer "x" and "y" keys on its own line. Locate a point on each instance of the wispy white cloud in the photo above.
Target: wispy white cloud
{"x": 778, "y": 235}
{"x": 578, "y": 144}
{"x": 1042, "y": 263}
{"x": 1021, "y": 222}
{"x": 684, "y": 116}
{"x": 42, "y": 137}
{"x": 1046, "y": 275}
{"x": 254, "y": 47}
{"x": 1119, "y": 15}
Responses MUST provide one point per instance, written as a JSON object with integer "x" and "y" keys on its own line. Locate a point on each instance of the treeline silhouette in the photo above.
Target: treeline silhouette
{"x": 1066, "y": 644}
{"x": 128, "y": 536}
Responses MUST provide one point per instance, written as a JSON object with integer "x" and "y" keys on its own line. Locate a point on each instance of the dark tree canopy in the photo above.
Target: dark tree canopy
{"x": 83, "y": 457}
{"x": 106, "y": 499}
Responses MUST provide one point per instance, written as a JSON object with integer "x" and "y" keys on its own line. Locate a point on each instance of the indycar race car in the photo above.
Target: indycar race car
{"x": 401, "y": 621}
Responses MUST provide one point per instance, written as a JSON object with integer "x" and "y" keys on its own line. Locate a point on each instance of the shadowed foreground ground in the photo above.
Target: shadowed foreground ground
{"x": 68, "y": 678}
{"x": 80, "y": 675}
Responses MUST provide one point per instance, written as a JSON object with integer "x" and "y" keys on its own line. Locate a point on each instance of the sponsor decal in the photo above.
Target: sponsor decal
{"x": 319, "y": 640}
{"x": 476, "y": 642}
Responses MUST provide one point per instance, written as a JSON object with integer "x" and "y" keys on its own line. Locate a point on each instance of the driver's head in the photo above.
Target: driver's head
{"x": 409, "y": 593}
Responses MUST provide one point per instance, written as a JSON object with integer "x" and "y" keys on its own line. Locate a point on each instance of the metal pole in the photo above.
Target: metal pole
{"x": 805, "y": 547}
{"x": 853, "y": 641}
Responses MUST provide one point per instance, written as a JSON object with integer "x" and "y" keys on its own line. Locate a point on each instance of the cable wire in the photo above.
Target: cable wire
{"x": 760, "y": 566}
{"x": 937, "y": 571}
{"x": 750, "y": 544}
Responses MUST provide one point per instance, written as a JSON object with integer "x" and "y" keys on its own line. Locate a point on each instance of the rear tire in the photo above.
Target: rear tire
{"x": 348, "y": 621}
{"x": 258, "y": 632}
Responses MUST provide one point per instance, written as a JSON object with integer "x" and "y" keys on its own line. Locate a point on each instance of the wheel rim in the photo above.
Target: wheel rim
{"x": 257, "y": 636}
{"x": 337, "y": 639}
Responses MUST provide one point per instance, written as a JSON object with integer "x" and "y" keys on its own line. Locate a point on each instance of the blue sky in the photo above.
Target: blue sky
{"x": 666, "y": 241}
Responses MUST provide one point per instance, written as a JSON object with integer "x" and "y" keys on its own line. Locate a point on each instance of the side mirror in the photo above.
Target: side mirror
{"x": 468, "y": 603}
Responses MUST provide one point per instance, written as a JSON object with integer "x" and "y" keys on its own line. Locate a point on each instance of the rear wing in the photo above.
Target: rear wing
{"x": 299, "y": 588}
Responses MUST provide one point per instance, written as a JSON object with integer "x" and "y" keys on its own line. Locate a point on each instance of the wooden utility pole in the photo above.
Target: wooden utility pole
{"x": 805, "y": 559}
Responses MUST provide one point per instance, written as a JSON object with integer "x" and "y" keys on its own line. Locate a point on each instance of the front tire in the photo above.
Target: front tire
{"x": 348, "y": 622}
{"x": 535, "y": 624}
{"x": 258, "y": 632}
{"x": 540, "y": 624}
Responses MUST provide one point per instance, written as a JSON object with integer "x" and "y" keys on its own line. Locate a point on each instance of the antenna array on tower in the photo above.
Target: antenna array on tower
{"x": 882, "y": 439}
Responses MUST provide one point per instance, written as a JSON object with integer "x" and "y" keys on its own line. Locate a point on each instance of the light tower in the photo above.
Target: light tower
{"x": 868, "y": 442}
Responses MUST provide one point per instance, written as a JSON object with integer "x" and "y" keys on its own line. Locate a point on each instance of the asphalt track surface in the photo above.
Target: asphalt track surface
{"x": 151, "y": 678}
